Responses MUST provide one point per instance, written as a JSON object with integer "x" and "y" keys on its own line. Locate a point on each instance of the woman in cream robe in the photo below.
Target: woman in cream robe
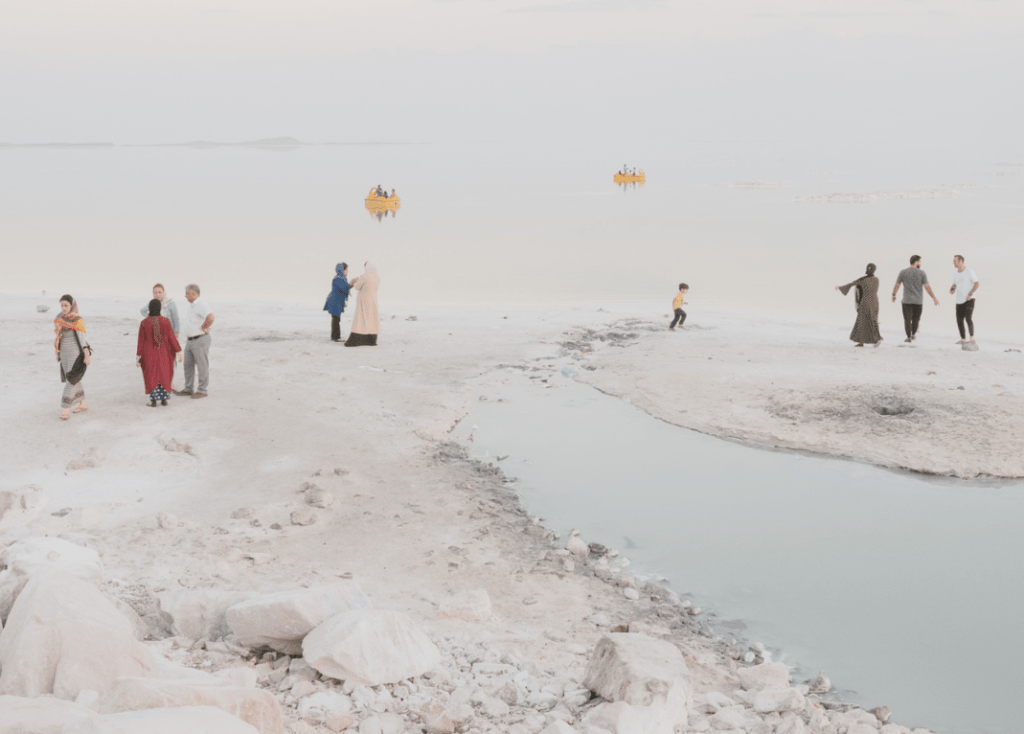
{"x": 366, "y": 320}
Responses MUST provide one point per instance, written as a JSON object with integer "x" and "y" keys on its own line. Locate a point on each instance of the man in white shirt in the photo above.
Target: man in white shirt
{"x": 965, "y": 282}
{"x": 197, "y": 345}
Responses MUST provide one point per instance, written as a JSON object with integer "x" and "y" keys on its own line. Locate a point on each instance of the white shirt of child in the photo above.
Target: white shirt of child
{"x": 963, "y": 281}
{"x": 198, "y": 310}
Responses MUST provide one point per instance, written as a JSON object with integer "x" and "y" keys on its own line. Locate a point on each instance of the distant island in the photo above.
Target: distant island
{"x": 283, "y": 142}
{"x": 56, "y": 145}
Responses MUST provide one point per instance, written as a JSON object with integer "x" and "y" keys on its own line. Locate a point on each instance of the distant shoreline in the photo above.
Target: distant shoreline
{"x": 284, "y": 142}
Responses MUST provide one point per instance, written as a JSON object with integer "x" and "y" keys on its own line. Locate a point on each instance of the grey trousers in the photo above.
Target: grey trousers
{"x": 197, "y": 357}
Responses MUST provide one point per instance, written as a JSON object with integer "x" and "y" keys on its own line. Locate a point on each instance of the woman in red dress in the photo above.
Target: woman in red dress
{"x": 155, "y": 355}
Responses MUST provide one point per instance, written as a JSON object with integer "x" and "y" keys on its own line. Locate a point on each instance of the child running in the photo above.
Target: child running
{"x": 677, "y": 307}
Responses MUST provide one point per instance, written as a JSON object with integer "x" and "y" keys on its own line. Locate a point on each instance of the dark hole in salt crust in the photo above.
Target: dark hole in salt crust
{"x": 893, "y": 409}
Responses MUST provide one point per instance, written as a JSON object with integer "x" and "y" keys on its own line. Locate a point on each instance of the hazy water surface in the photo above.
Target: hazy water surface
{"x": 509, "y": 222}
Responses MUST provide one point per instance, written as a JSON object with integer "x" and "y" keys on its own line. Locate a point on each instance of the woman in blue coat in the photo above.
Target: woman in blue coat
{"x": 336, "y": 300}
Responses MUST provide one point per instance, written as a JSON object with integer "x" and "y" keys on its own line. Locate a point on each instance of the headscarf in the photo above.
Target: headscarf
{"x": 869, "y": 270}
{"x": 340, "y": 268}
{"x": 154, "y": 316}
{"x": 72, "y": 321}
{"x": 369, "y": 267}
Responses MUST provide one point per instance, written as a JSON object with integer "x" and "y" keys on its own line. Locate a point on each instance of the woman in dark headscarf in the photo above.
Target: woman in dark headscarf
{"x": 865, "y": 328}
{"x": 155, "y": 354}
{"x": 73, "y": 354}
{"x": 335, "y": 305}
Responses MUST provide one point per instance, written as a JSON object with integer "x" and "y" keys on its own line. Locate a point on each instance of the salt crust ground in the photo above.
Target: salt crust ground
{"x": 412, "y": 523}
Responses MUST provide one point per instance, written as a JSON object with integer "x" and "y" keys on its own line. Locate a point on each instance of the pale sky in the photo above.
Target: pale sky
{"x": 126, "y": 71}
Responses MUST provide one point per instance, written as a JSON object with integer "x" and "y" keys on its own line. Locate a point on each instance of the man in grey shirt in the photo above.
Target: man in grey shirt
{"x": 913, "y": 280}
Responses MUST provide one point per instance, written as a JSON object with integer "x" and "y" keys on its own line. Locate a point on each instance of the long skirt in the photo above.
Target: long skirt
{"x": 865, "y": 328}
{"x": 361, "y": 340}
{"x": 69, "y": 351}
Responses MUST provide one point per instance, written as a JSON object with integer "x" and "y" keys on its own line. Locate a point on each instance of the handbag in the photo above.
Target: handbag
{"x": 77, "y": 371}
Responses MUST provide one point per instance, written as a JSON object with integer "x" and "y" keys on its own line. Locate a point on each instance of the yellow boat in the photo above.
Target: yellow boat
{"x": 376, "y": 203}
{"x": 640, "y": 177}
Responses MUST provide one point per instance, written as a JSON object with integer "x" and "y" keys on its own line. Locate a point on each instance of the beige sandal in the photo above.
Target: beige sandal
{"x": 65, "y": 415}
{"x": 82, "y": 407}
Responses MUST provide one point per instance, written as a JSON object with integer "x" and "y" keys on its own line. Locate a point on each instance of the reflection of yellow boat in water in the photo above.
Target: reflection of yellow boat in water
{"x": 638, "y": 177}
{"x": 376, "y": 203}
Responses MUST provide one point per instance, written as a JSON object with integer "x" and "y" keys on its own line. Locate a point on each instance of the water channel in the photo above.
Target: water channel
{"x": 906, "y": 590}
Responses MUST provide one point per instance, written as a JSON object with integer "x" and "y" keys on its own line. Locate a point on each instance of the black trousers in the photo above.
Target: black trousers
{"x": 965, "y": 312}
{"x": 335, "y": 328}
{"x": 911, "y": 318}
{"x": 680, "y": 318}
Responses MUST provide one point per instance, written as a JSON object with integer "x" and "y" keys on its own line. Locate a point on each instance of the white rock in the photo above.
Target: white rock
{"x": 18, "y": 509}
{"x": 64, "y": 636}
{"x": 786, "y": 699}
{"x": 631, "y": 593}
{"x": 238, "y": 676}
{"x": 282, "y": 620}
{"x": 436, "y": 720}
{"x": 494, "y": 707}
{"x": 621, "y": 718}
{"x": 472, "y": 606}
{"x": 559, "y": 727}
{"x": 370, "y": 725}
{"x": 38, "y": 715}
{"x": 718, "y": 700}
{"x": 252, "y": 705}
{"x": 363, "y": 697}
{"x": 730, "y": 718}
{"x": 600, "y": 619}
{"x": 576, "y": 546}
{"x": 791, "y": 725}
{"x": 861, "y": 729}
{"x": 894, "y": 729}
{"x": 186, "y": 720}
{"x": 199, "y": 613}
{"x": 641, "y": 671}
{"x": 391, "y": 723}
{"x": 25, "y": 558}
{"x": 140, "y": 628}
{"x": 766, "y": 675}
{"x": 324, "y": 706}
{"x": 370, "y": 647}
{"x": 819, "y": 683}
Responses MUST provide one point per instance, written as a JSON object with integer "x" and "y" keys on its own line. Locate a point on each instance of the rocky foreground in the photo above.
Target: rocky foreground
{"x": 78, "y": 655}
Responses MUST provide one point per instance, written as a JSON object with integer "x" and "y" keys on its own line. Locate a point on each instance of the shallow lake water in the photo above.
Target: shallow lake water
{"x": 508, "y": 222}
{"x": 905, "y": 590}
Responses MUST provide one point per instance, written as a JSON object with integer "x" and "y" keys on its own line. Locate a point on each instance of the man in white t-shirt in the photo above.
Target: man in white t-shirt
{"x": 965, "y": 282}
{"x": 197, "y": 345}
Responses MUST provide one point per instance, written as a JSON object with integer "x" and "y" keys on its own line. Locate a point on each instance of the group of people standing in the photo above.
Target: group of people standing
{"x": 159, "y": 344}
{"x": 164, "y": 339}
{"x": 915, "y": 282}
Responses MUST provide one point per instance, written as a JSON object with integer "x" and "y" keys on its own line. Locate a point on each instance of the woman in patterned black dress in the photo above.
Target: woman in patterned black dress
{"x": 865, "y": 328}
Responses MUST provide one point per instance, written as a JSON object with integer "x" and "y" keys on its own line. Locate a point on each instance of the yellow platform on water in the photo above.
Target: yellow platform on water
{"x": 376, "y": 203}
{"x": 640, "y": 177}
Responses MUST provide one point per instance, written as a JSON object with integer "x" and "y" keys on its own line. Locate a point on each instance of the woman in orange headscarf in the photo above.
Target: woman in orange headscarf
{"x": 73, "y": 354}
{"x": 155, "y": 354}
